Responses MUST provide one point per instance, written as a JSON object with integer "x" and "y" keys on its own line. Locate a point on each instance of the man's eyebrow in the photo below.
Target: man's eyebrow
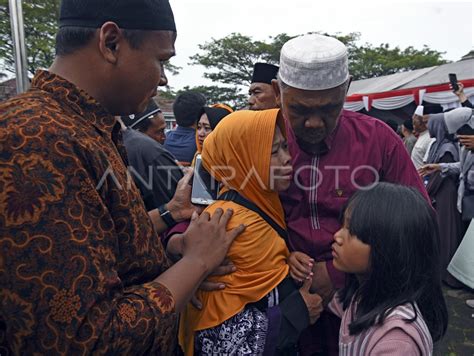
{"x": 304, "y": 108}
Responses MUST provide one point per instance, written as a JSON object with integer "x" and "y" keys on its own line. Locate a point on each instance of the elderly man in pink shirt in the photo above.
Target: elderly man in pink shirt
{"x": 334, "y": 153}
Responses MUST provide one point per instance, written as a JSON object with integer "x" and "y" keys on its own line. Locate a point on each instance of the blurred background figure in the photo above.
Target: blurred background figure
{"x": 409, "y": 138}
{"x": 187, "y": 110}
{"x": 154, "y": 170}
{"x": 151, "y": 122}
{"x": 261, "y": 93}
{"x": 208, "y": 121}
{"x": 462, "y": 96}
{"x": 443, "y": 193}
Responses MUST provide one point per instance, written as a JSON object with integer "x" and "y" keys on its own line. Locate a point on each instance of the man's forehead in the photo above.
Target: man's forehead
{"x": 164, "y": 42}
{"x": 262, "y": 86}
{"x": 308, "y": 98}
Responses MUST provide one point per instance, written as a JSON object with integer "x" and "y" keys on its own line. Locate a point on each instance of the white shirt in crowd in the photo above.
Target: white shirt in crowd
{"x": 421, "y": 148}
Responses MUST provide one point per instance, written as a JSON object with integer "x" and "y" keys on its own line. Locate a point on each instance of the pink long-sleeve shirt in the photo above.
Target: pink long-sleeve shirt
{"x": 395, "y": 337}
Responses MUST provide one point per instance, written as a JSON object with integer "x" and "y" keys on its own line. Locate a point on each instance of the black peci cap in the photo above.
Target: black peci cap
{"x": 153, "y": 15}
{"x": 264, "y": 73}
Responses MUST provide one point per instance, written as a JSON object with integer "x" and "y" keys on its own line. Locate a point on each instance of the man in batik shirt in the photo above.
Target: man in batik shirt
{"x": 81, "y": 268}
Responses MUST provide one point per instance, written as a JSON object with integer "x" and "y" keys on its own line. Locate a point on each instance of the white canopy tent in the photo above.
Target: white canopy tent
{"x": 398, "y": 90}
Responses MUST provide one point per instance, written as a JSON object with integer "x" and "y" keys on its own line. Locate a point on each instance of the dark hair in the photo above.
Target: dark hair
{"x": 401, "y": 229}
{"x": 188, "y": 108}
{"x": 393, "y": 125}
{"x": 408, "y": 123}
{"x": 71, "y": 39}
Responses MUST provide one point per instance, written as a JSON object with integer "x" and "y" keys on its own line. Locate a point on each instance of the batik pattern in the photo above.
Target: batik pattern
{"x": 78, "y": 252}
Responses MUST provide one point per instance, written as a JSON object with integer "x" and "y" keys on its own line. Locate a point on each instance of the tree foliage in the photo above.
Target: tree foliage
{"x": 369, "y": 61}
{"x": 229, "y": 60}
{"x": 40, "y": 21}
{"x": 40, "y": 26}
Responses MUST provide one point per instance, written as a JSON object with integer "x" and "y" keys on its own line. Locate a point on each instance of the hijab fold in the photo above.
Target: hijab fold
{"x": 442, "y": 145}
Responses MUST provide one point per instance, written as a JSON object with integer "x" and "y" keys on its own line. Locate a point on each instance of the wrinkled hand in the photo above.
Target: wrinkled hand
{"x": 226, "y": 267}
{"x": 180, "y": 205}
{"x": 467, "y": 141}
{"x": 301, "y": 266}
{"x": 428, "y": 169}
{"x": 322, "y": 282}
{"x": 313, "y": 302}
{"x": 207, "y": 240}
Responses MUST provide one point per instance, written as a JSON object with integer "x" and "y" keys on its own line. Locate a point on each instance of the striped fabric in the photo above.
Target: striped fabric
{"x": 394, "y": 337}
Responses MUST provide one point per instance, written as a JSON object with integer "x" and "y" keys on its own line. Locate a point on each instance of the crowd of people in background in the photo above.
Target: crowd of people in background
{"x": 331, "y": 234}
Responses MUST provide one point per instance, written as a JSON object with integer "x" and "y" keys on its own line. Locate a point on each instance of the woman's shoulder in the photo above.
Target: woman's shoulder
{"x": 241, "y": 215}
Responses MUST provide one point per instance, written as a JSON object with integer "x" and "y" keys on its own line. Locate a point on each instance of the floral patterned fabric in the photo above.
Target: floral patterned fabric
{"x": 78, "y": 252}
{"x": 243, "y": 334}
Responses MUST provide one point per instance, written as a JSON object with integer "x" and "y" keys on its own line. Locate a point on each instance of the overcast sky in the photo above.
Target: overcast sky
{"x": 443, "y": 26}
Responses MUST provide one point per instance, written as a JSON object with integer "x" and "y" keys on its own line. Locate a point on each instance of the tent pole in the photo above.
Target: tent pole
{"x": 18, "y": 37}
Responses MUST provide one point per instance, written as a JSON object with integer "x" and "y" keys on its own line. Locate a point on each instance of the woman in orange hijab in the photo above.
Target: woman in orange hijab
{"x": 260, "y": 310}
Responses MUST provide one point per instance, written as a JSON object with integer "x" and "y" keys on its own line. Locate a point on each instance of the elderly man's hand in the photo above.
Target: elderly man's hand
{"x": 321, "y": 282}
{"x": 313, "y": 302}
{"x": 467, "y": 141}
{"x": 301, "y": 266}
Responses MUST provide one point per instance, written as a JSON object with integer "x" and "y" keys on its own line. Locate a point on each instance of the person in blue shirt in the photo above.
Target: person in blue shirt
{"x": 187, "y": 110}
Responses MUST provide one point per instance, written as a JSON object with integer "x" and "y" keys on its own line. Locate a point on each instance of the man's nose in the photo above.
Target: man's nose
{"x": 314, "y": 122}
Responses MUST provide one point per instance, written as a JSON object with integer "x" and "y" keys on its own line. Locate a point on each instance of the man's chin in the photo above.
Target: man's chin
{"x": 313, "y": 141}
{"x": 311, "y": 147}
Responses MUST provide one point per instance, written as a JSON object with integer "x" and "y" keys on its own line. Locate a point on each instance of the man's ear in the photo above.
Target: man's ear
{"x": 110, "y": 41}
{"x": 276, "y": 89}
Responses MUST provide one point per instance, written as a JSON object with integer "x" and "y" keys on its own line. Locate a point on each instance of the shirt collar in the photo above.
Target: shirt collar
{"x": 66, "y": 93}
{"x": 185, "y": 129}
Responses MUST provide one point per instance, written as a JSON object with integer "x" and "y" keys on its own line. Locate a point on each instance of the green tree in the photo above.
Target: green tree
{"x": 40, "y": 29}
{"x": 229, "y": 60}
{"x": 40, "y": 21}
{"x": 368, "y": 61}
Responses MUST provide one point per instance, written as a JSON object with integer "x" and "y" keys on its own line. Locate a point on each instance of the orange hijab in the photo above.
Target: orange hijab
{"x": 242, "y": 142}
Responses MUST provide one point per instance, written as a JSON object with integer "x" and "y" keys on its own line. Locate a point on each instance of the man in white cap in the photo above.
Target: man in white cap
{"x": 334, "y": 153}
{"x": 420, "y": 126}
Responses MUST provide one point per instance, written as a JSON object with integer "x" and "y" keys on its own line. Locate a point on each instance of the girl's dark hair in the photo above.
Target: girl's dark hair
{"x": 401, "y": 229}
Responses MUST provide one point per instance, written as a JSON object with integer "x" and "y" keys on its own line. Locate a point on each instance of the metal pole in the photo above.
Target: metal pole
{"x": 18, "y": 37}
